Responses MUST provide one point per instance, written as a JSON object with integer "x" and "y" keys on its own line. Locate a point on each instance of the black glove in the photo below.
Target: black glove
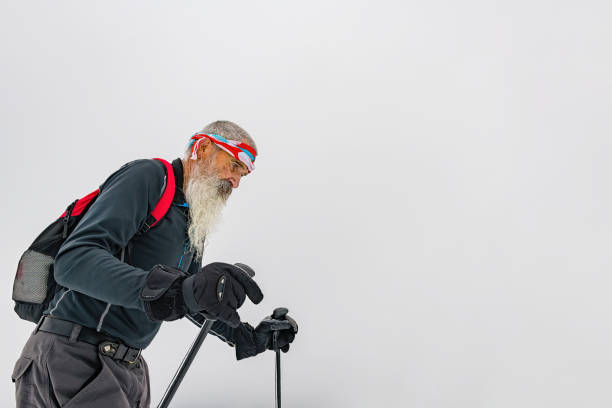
{"x": 250, "y": 342}
{"x": 162, "y": 295}
{"x": 218, "y": 289}
{"x": 286, "y": 328}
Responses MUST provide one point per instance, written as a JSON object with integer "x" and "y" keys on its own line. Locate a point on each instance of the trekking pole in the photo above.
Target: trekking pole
{"x": 185, "y": 364}
{"x": 193, "y": 350}
{"x": 278, "y": 314}
{"x": 278, "y": 372}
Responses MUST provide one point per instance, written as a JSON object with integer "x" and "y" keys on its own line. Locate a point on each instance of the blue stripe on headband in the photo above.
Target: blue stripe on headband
{"x": 221, "y": 138}
{"x": 247, "y": 152}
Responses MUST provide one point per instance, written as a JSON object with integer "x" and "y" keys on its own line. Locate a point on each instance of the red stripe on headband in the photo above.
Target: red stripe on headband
{"x": 247, "y": 147}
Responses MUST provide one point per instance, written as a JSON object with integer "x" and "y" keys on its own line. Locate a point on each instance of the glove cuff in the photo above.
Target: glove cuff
{"x": 161, "y": 293}
{"x": 246, "y": 345}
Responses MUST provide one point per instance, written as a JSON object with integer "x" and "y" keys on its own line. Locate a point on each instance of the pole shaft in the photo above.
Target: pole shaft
{"x": 278, "y": 380}
{"x": 185, "y": 364}
{"x": 278, "y": 371}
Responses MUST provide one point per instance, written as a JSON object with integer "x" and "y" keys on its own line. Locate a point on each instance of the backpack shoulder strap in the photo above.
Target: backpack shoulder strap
{"x": 163, "y": 205}
{"x": 77, "y": 207}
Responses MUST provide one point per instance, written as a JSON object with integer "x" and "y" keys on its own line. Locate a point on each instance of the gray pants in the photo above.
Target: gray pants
{"x": 54, "y": 371}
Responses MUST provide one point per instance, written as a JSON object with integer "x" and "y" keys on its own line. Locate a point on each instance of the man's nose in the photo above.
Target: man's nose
{"x": 235, "y": 181}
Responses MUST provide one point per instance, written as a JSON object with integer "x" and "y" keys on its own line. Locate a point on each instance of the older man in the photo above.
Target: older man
{"x": 119, "y": 284}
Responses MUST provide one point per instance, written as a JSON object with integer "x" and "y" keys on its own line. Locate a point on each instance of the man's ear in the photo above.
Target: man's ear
{"x": 205, "y": 148}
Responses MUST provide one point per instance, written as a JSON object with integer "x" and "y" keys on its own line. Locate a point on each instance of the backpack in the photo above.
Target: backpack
{"x": 34, "y": 285}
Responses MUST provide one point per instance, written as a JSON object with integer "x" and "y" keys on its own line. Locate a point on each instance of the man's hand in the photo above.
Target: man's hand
{"x": 287, "y": 328}
{"x": 218, "y": 289}
{"x": 250, "y": 341}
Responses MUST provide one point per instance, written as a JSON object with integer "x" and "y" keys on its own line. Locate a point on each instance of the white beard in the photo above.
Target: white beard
{"x": 206, "y": 196}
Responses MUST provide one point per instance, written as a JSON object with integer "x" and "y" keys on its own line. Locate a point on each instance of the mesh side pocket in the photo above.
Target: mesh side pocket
{"x": 32, "y": 277}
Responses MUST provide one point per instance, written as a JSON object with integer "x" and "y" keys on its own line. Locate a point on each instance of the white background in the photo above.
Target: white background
{"x": 431, "y": 200}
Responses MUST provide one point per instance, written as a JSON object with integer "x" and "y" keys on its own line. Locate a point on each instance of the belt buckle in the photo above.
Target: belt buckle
{"x": 110, "y": 349}
{"x": 128, "y": 356}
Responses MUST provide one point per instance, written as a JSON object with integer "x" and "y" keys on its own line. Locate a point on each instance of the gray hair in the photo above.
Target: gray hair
{"x": 228, "y": 130}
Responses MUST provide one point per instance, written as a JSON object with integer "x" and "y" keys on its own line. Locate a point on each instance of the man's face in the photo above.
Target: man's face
{"x": 225, "y": 167}
{"x": 211, "y": 180}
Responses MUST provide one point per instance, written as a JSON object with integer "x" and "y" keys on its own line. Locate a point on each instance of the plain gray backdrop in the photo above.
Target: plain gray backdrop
{"x": 431, "y": 200}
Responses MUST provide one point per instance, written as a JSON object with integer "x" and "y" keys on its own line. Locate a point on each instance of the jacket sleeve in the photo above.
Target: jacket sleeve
{"x": 242, "y": 338}
{"x": 218, "y": 329}
{"x": 86, "y": 262}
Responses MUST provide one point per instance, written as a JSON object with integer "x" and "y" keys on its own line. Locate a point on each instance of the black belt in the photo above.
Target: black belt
{"x": 107, "y": 346}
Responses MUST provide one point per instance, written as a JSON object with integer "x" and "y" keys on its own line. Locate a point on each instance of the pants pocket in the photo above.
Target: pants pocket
{"x": 24, "y": 385}
{"x": 103, "y": 391}
{"x": 21, "y": 367}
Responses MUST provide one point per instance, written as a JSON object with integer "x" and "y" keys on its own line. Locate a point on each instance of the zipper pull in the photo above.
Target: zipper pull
{"x": 67, "y": 218}
{"x": 65, "y": 222}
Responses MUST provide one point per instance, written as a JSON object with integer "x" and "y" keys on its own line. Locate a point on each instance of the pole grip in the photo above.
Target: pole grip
{"x": 279, "y": 313}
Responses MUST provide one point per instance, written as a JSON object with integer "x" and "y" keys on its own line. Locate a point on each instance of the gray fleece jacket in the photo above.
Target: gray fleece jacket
{"x": 102, "y": 275}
